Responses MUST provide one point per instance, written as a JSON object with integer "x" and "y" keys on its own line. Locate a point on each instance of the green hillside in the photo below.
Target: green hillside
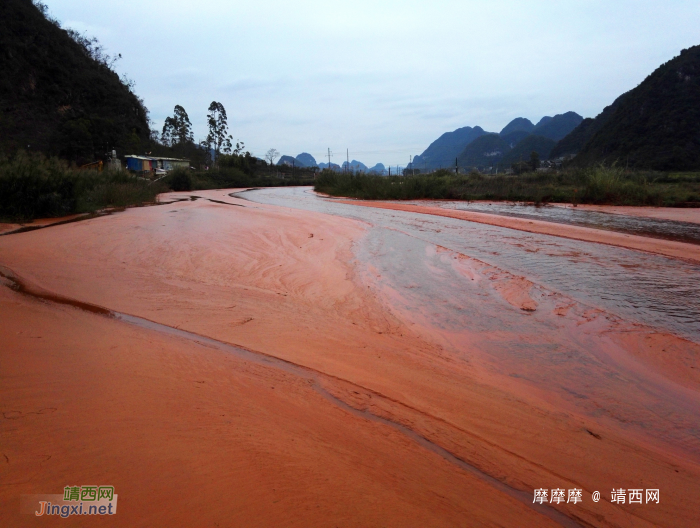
{"x": 58, "y": 94}
{"x": 574, "y": 142}
{"x": 485, "y": 151}
{"x": 519, "y": 124}
{"x": 443, "y": 151}
{"x": 654, "y": 126}
{"x": 514, "y": 138}
{"x": 521, "y": 152}
{"x": 557, "y": 127}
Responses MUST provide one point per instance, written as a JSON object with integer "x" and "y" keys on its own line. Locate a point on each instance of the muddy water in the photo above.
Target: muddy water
{"x": 637, "y": 286}
{"x": 652, "y": 227}
{"x": 458, "y": 281}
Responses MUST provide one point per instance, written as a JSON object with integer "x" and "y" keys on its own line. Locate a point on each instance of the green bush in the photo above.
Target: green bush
{"x": 596, "y": 185}
{"x": 228, "y": 177}
{"x": 180, "y": 180}
{"x": 32, "y": 186}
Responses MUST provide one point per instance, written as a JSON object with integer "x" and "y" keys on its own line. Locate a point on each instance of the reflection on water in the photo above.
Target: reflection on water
{"x": 651, "y": 227}
{"x": 650, "y": 289}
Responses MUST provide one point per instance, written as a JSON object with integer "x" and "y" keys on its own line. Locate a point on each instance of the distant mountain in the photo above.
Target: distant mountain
{"x": 334, "y": 166}
{"x": 443, "y": 151}
{"x": 557, "y": 127}
{"x": 519, "y": 124}
{"x": 521, "y": 152}
{"x": 544, "y": 121}
{"x": 656, "y": 125}
{"x": 379, "y": 168}
{"x": 355, "y": 166}
{"x": 289, "y": 160}
{"x": 574, "y": 142}
{"x": 485, "y": 151}
{"x": 58, "y": 94}
{"x": 492, "y": 150}
{"x": 307, "y": 160}
{"x": 515, "y": 137}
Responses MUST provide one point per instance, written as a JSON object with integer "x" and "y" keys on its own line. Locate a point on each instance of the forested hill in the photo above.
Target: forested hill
{"x": 443, "y": 151}
{"x": 654, "y": 126}
{"x": 58, "y": 93}
{"x": 557, "y": 127}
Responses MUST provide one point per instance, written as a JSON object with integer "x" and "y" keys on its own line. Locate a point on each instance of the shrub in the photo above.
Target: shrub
{"x": 180, "y": 180}
{"x": 598, "y": 185}
{"x": 32, "y": 186}
{"x": 611, "y": 185}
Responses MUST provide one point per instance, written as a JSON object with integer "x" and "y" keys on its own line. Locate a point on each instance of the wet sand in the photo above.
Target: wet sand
{"x": 670, "y": 248}
{"x": 192, "y": 435}
{"x": 8, "y": 228}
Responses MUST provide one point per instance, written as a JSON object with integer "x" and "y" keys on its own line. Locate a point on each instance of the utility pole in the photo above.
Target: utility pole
{"x": 347, "y": 153}
{"x": 329, "y": 158}
{"x": 456, "y": 167}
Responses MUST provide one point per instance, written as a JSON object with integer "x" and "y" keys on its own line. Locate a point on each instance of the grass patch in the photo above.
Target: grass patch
{"x": 593, "y": 185}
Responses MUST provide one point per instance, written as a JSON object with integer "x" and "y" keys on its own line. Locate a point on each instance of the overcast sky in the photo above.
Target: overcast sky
{"x": 383, "y": 78}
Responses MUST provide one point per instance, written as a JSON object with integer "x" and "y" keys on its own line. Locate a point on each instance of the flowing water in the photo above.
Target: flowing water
{"x": 651, "y": 227}
{"x": 444, "y": 274}
{"x": 650, "y": 289}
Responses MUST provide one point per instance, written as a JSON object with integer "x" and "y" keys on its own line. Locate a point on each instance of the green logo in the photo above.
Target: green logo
{"x": 88, "y": 493}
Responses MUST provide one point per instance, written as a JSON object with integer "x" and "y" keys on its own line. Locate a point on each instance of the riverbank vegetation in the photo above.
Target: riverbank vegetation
{"x": 239, "y": 171}
{"x": 594, "y": 185}
{"x": 33, "y": 186}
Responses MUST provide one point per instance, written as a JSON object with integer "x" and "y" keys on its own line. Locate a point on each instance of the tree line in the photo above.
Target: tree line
{"x": 177, "y": 135}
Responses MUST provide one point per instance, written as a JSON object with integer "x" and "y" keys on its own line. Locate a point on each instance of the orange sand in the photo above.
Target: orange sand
{"x": 191, "y": 436}
{"x": 38, "y": 223}
{"x": 669, "y": 248}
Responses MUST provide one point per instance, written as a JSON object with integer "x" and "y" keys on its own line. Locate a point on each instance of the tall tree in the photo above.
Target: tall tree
{"x": 166, "y": 136}
{"x": 177, "y": 130}
{"x": 183, "y": 126}
{"x": 218, "y": 137}
{"x": 534, "y": 160}
{"x": 271, "y": 155}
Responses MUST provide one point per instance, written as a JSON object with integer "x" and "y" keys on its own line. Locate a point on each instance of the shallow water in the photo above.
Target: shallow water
{"x": 651, "y": 227}
{"x": 441, "y": 275}
{"x": 653, "y": 290}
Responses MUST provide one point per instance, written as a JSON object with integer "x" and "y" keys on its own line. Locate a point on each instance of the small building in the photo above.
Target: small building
{"x": 139, "y": 163}
{"x": 150, "y": 163}
{"x": 169, "y": 164}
